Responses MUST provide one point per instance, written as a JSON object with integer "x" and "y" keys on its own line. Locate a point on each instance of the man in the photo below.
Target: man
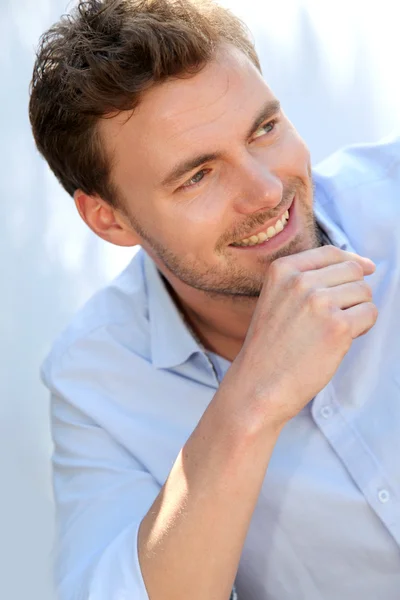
{"x": 217, "y": 412}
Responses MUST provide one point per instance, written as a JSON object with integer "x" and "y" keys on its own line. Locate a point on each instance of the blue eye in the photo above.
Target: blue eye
{"x": 195, "y": 179}
{"x": 265, "y": 129}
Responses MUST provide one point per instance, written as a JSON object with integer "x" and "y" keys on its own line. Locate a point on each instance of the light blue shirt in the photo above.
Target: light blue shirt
{"x": 129, "y": 384}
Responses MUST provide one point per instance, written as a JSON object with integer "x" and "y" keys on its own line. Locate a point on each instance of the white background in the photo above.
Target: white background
{"x": 335, "y": 68}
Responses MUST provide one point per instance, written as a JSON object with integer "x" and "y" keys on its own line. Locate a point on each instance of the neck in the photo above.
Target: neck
{"x": 220, "y": 323}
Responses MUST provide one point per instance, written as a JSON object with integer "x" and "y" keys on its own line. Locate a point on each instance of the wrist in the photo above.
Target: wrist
{"x": 254, "y": 409}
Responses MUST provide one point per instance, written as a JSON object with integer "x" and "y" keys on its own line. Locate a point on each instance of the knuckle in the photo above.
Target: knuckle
{"x": 370, "y": 318}
{"x": 332, "y": 251}
{"x": 298, "y": 284}
{"x": 373, "y": 312}
{"x": 339, "y": 327}
{"x": 319, "y": 301}
{"x": 276, "y": 268}
{"x": 355, "y": 268}
{"x": 279, "y": 269}
{"x": 365, "y": 289}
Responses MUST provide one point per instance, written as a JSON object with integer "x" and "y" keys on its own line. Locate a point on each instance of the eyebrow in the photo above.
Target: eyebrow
{"x": 270, "y": 109}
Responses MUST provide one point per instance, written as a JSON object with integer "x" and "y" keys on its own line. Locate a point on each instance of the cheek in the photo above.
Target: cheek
{"x": 202, "y": 215}
{"x": 296, "y": 154}
{"x": 205, "y": 223}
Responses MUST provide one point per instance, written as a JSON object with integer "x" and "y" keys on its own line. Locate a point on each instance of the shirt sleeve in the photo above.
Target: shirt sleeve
{"x": 102, "y": 494}
{"x": 102, "y": 485}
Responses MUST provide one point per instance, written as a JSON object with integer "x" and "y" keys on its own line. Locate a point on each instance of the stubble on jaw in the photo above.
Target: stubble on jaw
{"x": 233, "y": 282}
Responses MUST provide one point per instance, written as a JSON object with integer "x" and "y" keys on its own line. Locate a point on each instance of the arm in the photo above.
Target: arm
{"x": 191, "y": 539}
{"x": 312, "y": 306}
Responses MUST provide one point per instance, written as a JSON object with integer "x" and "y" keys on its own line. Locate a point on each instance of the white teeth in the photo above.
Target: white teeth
{"x": 270, "y": 233}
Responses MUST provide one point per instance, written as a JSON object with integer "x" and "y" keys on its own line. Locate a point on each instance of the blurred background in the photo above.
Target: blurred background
{"x": 334, "y": 66}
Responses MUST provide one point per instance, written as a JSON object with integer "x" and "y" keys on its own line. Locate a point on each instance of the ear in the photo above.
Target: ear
{"x": 105, "y": 220}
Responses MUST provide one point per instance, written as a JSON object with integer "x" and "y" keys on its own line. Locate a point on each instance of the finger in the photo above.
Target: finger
{"x": 334, "y": 275}
{"x": 318, "y": 258}
{"x": 349, "y": 294}
{"x": 361, "y": 318}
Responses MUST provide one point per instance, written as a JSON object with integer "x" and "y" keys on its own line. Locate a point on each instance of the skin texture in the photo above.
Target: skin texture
{"x": 305, "y": 302}
{"x": 188, "y": 226}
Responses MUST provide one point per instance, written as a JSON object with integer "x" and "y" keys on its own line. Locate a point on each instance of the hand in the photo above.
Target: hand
{"x": 313, "y": 304}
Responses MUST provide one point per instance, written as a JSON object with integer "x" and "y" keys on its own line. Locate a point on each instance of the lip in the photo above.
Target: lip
{"x": 280, "y": 238}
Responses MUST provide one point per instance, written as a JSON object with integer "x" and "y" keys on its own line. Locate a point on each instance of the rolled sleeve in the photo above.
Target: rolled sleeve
{"x": 118, "y": 574}
{"x": 102, "y": 494}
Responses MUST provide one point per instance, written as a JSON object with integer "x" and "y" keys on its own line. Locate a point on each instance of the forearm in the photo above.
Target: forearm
{"x": 191, "y": 539}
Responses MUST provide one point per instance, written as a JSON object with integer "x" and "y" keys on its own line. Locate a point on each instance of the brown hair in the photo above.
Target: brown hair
{"x": 100, "y": 59}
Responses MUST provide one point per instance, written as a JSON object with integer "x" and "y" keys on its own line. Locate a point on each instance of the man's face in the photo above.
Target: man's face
{"x": 206, "y": 162}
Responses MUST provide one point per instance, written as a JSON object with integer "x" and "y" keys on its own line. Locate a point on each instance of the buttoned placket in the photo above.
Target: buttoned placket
{"x": 330, "y": 417}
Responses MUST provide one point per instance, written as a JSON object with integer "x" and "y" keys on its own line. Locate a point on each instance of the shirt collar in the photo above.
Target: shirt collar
{"x": 171, "y": 341}
{"x": 324, "y": 212}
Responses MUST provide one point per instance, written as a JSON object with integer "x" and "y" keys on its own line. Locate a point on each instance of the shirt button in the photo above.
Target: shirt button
{"x": 326, "y": 412}
{"x": 383, "y": 496}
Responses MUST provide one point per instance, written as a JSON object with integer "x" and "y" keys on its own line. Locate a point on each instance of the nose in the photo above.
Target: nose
{"x": 258, "y": 188}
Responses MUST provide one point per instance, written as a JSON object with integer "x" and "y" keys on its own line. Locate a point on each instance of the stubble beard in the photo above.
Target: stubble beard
{"x": 234, "y": 282}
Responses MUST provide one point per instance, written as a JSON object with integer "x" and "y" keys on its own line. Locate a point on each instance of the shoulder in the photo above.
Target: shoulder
{"x": 358, "y": 189}
{"x": 115, "y": 316}
{"x": 359, "y": 165}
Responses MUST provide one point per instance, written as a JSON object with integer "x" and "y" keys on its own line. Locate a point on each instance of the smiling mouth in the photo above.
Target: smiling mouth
{"x": 266, "y": 235}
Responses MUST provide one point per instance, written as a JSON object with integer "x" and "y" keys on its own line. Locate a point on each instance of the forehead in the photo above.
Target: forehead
{"x": 194, "y": 114}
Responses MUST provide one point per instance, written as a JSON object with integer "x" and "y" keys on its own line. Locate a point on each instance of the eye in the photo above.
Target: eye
{"x": 197, "y": 178}
{"x": 265, "y": 129}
